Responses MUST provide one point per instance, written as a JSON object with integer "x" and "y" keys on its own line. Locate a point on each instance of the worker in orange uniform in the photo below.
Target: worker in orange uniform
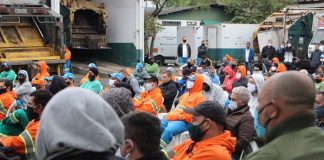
{"x": 24, "y": 143}
{"x": 277, "y": 67}
{"x": 7, "y": 97}
{"x": 67, "y": 67}
{"x": 39, "y": 80}
{"x": 175, "y": 122}
{"x": 208, "y": 138}
{"x": 151, "y": 100}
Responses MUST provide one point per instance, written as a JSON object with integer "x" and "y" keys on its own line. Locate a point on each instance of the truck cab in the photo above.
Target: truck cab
{"x": 318, "y": 38}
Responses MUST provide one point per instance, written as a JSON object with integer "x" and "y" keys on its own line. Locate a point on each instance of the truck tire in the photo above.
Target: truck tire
{"x": 159, "y": 60}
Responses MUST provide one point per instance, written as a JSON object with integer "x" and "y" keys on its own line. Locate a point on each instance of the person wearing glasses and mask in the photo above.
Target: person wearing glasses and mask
{"x": 286, "y": 111}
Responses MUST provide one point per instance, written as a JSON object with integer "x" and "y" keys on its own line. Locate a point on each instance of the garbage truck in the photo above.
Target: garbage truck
{"x": 30, "y": 32}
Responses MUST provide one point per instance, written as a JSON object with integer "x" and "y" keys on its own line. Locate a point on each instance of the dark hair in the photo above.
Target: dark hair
{"x": 57, "y": 85}
{"x": 7, "y": 83}
{"x": 144, "y": 130}
{"x": 41, "y": 97}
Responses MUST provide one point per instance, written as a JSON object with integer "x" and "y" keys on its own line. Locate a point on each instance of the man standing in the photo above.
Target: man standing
{"x": 151, "y": 100}
{"x": 208, "y": 138}
{"x": 248, "y": 56}
{"x": 184, "y": 51}
{"x": 286, "y": 111}
{"x": 24, "y": 143}
{"x": 169, "y": 89}
{"x": 202, "y": 51}
{"x": 92, "y": 83}
{"x": 240, "y": 121}
{"x": 268, "y": 52}
{"x": 315, "y": 58}
{"x": 7, "y": 72}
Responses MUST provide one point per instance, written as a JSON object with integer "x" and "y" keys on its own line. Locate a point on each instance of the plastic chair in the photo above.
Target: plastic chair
{"x": 11, "y": 107}
{"x": 14, "y": 80}
{"x": 178, "y": 139}
{"x": 173, "y": 106}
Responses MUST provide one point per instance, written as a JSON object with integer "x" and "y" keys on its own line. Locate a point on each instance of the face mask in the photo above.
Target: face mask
{"x": 206, "y": 88}
{"x": 288, "y": 45}
{"x": 203, "y": 44}
{"x": 150, "y": 62}
{"x": 190, "y": 84}
{"x": 212, "y": 74}
{"x": 269, "y": 44}
{"x": 31, "y": 114}
{"x": 251, "y": 87}
{"x": 139, "y": 70}
{"x": 184, "y": 41}
{"x": 238, "y": 76}
{"x": 322, "y": 59}
{"x": 91, "y": 77}
{"x": 233, "y": 105}
{"x": 111, "y": 83}
{"x": 3, "y": 90}
{"x": 282, "y": 46}
{"x": 318, "y": 80}
{"x": 189, "y": 65}
{"x": 21, "y": 80}
{"x": 194, "y": 131}
{"x": 68, "y": 83}
{"x": 148, "y": 86}
{"x": 273, "y": 68}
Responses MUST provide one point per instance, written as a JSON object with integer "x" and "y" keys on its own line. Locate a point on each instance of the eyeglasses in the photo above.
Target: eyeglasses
{"x": 264, "y": 107}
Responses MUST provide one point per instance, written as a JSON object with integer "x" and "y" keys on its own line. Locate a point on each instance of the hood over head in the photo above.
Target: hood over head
{"x": 198, "y": 85}
{"x": 24, "y": 72}
{"x": 229, "y": 71}
{"x": 207, "y": 81}
{"x": 259, "y": 81}
{"x": 43, "y": 67}
{"x": 71, "y": 123}
{"x": 224, "y": 139}
{"x": 243, "y": 71}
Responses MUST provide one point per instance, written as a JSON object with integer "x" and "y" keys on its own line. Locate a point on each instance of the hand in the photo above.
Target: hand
{"x": 173, "y": 117}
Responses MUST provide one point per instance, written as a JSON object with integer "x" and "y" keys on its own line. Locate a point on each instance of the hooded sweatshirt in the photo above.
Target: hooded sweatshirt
{"x": 216, "y": 148}
{"x": 215, "y": 93}
{"x": 23, "y": 90}
{"x": 229, "y": 80}
{"x": 243, "y": 80}
{"x": 71, "y": 123}
{"x": 188, "y": 100}
{"x": 253, "y": 103}
{"x": 39, "y": 78}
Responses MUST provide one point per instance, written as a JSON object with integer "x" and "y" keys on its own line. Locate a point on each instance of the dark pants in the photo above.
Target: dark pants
{"x": 249, "y": 66}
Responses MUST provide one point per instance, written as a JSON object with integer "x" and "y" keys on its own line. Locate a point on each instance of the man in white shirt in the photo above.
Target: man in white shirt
{"x": 248, "y": 55}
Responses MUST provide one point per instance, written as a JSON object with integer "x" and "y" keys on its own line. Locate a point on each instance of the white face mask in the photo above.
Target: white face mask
{"x": 238, "y": 76}
{"x": 190, "y": 84}
{"x": 288, "y": 45}
{"x": 233, "y": 105}
{"x": 148, "y": 86}
{"x": 111, "y": 83}
{"x": 269, "y": 44}
{"x": 273, "y": 68}
{"x": 322, "y": 59}
{"x": 282, "y": 46}
{"x": 251, "y": 87}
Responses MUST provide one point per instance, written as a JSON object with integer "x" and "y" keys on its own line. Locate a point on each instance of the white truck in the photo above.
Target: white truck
{"x": 318, "y": 35}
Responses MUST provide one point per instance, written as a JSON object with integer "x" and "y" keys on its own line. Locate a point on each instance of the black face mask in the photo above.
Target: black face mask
{"x": 189, "y": 65}
{"x": 91, "y": 77}
{"x": 3, "y": 90}
{"x": 68, "y": 83}
{"x": 31, "y": 114}
{"x": 206, "y": 88}
{"x": 21, "y": 79}
{"x": 184, "y": 41}
{"x": 7, "y": 69}
{"x": 150, "y": 62}
{"x": 203, "y": 44}
{"x": 318, "y": 80}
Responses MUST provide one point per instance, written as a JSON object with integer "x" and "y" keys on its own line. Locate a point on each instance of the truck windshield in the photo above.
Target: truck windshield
{"x": 318, "y": 37}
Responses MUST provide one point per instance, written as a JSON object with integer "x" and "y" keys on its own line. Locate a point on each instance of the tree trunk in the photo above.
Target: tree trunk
{"x": 152, "y": 44}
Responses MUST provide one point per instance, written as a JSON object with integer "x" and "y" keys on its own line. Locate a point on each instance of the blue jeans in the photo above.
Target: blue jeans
{"x": 182, "y": 60}
{"x": 171, "y": 128}
{"x": 198, "y": 61}
{"x": 249, "y": 67}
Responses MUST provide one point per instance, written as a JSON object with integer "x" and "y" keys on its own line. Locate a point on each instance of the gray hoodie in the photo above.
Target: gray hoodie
{"x": 23, "y": 90}
{"x": 134, "y": 83}
{"x": 77, "y": 119}
{"x": 259, "y": 80}
{"x": 216, "y": 93}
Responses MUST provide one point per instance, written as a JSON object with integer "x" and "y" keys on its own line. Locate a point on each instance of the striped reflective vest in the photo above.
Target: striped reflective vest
{"x": 150, "y": 102}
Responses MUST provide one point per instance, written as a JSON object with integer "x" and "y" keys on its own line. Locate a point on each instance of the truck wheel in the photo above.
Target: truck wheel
{"x": 159, "y": 60}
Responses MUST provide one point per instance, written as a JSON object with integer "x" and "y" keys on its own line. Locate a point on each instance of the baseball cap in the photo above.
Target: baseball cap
{"x": 6, "y": 64}
{"x": 209, "y": 109}
{"x": 139, "y": 66}
{"x": 68, "y": 75}
{"x": 118, "y": 76}
{"x": 49, "y": 78}
{"x": 92, "y": 65}
{"x": 151, "y": 77}
{"x": 171, "y": 69}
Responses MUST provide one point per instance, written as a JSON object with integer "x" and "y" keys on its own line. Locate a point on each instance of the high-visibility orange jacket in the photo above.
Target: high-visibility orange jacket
{"x": 150, "y": 102}
{"x": 188, "y": 100}
{"x": 24, "y": 144}
{"x": 39, "y": 79}
{"x": 216, "y": 148}
{"x": 6, "y": 99}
